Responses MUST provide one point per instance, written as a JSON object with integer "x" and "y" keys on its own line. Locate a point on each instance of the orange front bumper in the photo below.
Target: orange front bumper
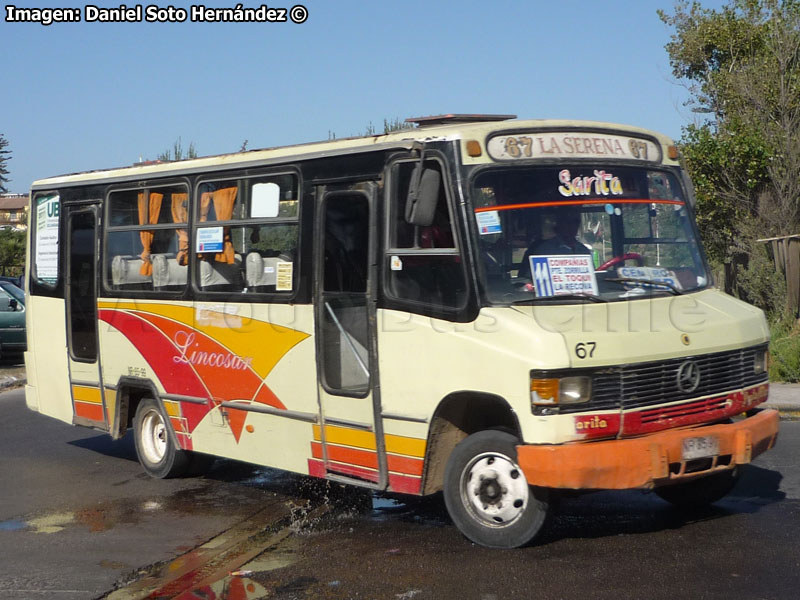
{"x": 643, "y": 462}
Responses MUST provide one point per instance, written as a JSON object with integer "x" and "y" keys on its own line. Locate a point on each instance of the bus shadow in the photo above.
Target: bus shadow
{"x": 103, "y": 444}
{"x": 612, "y": 513}
{"x": 603, "y": 513}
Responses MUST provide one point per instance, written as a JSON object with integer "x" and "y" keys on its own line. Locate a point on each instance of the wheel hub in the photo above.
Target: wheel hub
{"x": 494, "y": 489}
{"x": 154, "y": 437}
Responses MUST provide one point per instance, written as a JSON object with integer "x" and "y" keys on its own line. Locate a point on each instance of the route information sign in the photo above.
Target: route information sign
{"x": 563, "y": 274}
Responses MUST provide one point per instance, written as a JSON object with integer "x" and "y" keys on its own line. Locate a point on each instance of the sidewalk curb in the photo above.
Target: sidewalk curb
{"x": 12, "y": 382}
{"x": 788, "y": 411}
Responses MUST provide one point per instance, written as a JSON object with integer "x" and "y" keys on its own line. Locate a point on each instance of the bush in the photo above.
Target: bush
{"x": 784, "y": 349}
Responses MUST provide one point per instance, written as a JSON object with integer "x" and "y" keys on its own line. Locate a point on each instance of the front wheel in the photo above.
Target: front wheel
{"x": 487, "y": 494}
{"x": 699, "y": 492}
{"x": 158, "y": 453}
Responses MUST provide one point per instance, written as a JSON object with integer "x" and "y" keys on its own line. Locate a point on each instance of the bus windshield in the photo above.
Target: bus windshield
{"x": 584, "y": 232}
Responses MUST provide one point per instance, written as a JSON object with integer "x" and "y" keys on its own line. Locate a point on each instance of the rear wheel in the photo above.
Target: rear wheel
{"x": 155, "y": 446}
{"x": 700, "y": 492}
{"x": 487, "y": 494}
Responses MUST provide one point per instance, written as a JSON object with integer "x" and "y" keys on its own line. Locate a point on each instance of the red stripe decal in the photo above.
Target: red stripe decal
{"x": 404, "y": 464}
{"x": 316, "y": 468}
{"x": 93, "y": 412}
{"x": 405, "y": 484}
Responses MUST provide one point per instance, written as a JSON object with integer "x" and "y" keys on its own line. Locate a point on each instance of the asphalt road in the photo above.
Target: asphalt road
{"x": 78, "y": 518}
{"x": 78, "y": 514}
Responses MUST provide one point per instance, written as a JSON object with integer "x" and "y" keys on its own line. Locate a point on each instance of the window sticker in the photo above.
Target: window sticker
{"x": 209, "y": 239}
{"x": 265, "y": 200}
{"x": 488, "y": 222}
{"x": 563, "y": 274}
{"x": 47, "y": 211}
{"x": 396, "y": 264}
{"x": 283, "y": 282}
{"x": 650, "y": 274}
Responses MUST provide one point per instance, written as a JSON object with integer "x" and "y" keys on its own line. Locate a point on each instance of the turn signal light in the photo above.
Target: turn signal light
{"x": 544, "y": 391}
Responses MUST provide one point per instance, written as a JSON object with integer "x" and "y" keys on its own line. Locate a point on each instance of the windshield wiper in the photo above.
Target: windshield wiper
{"x": 590, "y": 297}
{"x": 675, "y": 291}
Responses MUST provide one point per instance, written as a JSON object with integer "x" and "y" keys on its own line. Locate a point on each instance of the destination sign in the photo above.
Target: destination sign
{"x": 571, "y": 144}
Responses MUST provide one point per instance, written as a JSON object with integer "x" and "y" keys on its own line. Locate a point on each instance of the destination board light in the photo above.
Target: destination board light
{"x": 474, "y": 148}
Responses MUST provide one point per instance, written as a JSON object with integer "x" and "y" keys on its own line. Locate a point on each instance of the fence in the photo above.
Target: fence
{"x": 785, "y": 253}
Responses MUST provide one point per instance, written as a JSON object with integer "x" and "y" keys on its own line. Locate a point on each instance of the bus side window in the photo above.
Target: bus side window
{"x": 423, "y": 264}
{"x": 147, "y": 239}
{"x": 251, "y": 225}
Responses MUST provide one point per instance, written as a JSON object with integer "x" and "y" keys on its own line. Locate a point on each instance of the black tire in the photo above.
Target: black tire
{"x": 158, "y": 453}
{"x": 487, "y": 495}
{"x": 699, "y": 492}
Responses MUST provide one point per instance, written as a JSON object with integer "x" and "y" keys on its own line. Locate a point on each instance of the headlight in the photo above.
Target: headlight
{"x": 562, "y": 390}
{"x": 761, "y": 362}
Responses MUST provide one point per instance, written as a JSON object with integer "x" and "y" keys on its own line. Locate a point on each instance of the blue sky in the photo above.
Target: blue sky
{"x": 83, "y": 96}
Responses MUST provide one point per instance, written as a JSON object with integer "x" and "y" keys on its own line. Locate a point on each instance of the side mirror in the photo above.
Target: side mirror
{"x": 423, "y": 195}
{"x": 13, "y": 304}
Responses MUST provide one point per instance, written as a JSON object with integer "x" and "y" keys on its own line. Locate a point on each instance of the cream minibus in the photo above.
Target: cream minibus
{"x": 496, "y": 309}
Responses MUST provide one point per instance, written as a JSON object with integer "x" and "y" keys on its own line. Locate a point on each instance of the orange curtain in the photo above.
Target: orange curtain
{"x": 223, "y": 200}
{"x": 205, "y": 204}
{"x": 179, "y": 215}
{"x": 148, "y": 214}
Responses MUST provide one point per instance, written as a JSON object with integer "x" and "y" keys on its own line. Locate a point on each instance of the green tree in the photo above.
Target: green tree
{"x": 5, "y": 155}
{"x": 12, "y": 252}
{"x": 177, "y": 152}
{"x": 741, "y": 65}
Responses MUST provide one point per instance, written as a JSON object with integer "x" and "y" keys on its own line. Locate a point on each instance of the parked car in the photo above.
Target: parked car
{"x": 12, "y": 319}
{"x": 17, "y": 281}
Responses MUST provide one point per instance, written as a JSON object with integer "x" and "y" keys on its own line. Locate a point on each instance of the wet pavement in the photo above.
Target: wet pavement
{"x": 603, "y": 545}
{"x": 78, "y": 516}
{"x": 614, "y": 545}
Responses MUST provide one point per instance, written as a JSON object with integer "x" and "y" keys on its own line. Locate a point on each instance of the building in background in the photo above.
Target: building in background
{"x": 14, "y": 211}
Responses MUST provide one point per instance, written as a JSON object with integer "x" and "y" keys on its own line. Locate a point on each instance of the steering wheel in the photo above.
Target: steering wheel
{"x": 620, "y": 259}
{"x": 523, "y": 284}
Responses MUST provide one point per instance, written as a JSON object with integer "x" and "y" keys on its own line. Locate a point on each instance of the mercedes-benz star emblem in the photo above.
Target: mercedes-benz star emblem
{"x": 688, "y": 377}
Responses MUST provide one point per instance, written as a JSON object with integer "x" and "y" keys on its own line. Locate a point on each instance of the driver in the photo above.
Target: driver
{"x": 568, "y": 220}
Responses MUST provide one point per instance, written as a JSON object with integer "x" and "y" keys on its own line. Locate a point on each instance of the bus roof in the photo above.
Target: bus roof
{"x": 434, "y": 128}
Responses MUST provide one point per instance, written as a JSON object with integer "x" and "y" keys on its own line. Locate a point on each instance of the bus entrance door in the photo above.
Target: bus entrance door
{"x": 81, "y": 304}
{"x": 349, "y": 439}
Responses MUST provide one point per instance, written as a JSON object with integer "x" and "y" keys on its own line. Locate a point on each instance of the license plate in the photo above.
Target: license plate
{"x": 700, "y": 447}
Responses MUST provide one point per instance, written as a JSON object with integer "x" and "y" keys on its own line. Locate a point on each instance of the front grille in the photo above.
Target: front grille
{"x": 651, "y": 383}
